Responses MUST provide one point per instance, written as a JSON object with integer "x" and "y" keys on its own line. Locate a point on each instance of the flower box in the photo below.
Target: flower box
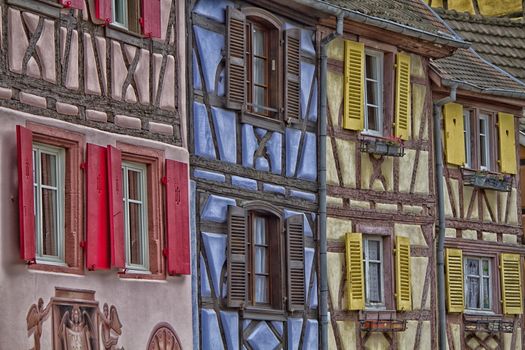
{"x": 490, "y": 181}
{"x": 493, "y": 324}
{"x": 383, "y": 147}
{"x": 383, "y": 325}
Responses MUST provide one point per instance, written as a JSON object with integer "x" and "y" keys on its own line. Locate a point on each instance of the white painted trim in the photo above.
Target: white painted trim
{"x": 378, "y": 69}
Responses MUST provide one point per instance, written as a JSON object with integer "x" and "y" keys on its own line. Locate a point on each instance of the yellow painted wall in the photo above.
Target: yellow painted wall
{"x": 486, "y": 7}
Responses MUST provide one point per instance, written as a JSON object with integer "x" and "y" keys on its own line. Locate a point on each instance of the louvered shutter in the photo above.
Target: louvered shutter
{"x": 235, "y": 59}
{"x": 150, "y": 20}
{"x": 26, "y": 202}
{"x": 355, "y": 279}
{"x": 403, "y": 285}
{"x": 292, "y": 81}
{"x": 97, "y": 224}
{"x": 454, "y": 133}
{"x": 507, "y": 143}
{"x": 103, "y": 10}
{"x": 403, "y": 100}
{"x": 354, "y": 86}
{"x": 454, "y": 266}
{"x": 177, "y": 218}
{"x": 76, "y": 4}
{"x": 295, "y": 264}
{"x": 510, "y": 265}
{"x": 237, "y": 257}
{"x": 116, "y": 208}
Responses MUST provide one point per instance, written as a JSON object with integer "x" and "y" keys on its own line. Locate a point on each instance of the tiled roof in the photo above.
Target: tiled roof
{"x": 473, "y": 72}
{"x": 411, "y": 13}
{"x": 500, "y": 41}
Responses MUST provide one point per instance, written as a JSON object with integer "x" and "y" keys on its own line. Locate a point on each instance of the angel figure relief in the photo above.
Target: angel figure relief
{"x": 36, "y": 315}
{"x": 76, "y": 330}
{"x": 111, "y": 327}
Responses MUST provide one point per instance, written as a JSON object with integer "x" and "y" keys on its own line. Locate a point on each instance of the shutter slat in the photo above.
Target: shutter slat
{"x": 103, "y": 10}
{"x": 403, "y": 284}
{"x": 295, "y": 263}
{"x": 26, "y": 203}
{"x": 177, "y": 218}
{"x": 292, "y": 74}
{"x": 97, "y": 224}
{"x": 354, "y": 86}
{"x": 454, "y": 133}
{"x": 403, "y": 101}
{"x": 454, "y": 267}
{"x": 355, "y": 281}
{"x": 237, "y": 262}
{"x": 235, "y": 59}
{"x": 507, "y": 143}
{"x": 510, "y": 265}
{"x": 116, "y": 208}
{"x": 151, "y": 18}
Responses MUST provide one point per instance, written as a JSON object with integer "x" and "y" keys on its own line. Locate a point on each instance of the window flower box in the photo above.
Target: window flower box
{"x": 381, "y": 321}
{"x": 390, "y": 146}
{"x": 488, "y": 324}
{"x": 491, "y": 181}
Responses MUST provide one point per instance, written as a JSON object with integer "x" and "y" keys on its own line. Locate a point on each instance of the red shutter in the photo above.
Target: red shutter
{"x": 150, "y": 20}
{"x": 116, "y": 208}
{"x": 97, "y": 209}
{"x": 76, "y": 4}
{"x": 177, "y": 218}
{"x": 26, "y": 214}
{"x": 103, "y": 10}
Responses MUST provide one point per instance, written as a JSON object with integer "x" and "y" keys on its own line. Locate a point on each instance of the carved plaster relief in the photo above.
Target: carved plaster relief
{"x": 163, "y": 337}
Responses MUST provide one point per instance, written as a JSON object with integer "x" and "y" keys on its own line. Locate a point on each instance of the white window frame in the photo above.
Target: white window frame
{"x": 380, "y": 87}
{"x": 60, "y": 154}
{"x": 467, "y": 132}
{"x": 481, "y": 288}
{"x": 125, "y": 6}
{"x": 486, "y": 145}
{"x": 366, "y": 264}
{"x": 142, "y": 170}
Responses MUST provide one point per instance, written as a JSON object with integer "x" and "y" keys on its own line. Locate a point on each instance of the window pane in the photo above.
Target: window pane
{"x": 473, "y": 267}
{"x": 371, "y": 92}
{"x": 120, "y": 11}
{"x": 486, "y": 293}
{"x": 261, "y": 289}
{"x": 135, "y": 234}
{"x": 486, "y": 269}
{"x": 371, "y": 67}
{"x": 259, "y": 98}
{"x": 49, "y": 222}
{"x": 134, "y": 184}
{"x": 259, "y": 71}
{"x": 372, "y": 116}
{"x": 374, "y": 283}
{"x": 373, "y": 250}
{"x": 260, "y": 230}
{"x": 258, "y": 42}
{"x": 261, "y": 254}
{"x": 473, "y": 293}
{"x": 48, "y": 168}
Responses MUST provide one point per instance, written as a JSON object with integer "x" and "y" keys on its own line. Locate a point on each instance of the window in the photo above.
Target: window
{"x": 480, "y": 139}
{"x": 120, "y": 13}
{"x": 126, "y": 14}
{"x": 467, "y": 135}
{"x": 373, "y": 267}
{"x": 484, "y": 142}
{"x": 373, "y": 123}
{"x": 48, "y": 178}
{"x": 478, "y": 282}
{"x": 135, "y": 215}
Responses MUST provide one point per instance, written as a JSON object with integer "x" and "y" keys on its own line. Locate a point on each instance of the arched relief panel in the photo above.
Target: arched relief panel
{"x": 163, "y": 337}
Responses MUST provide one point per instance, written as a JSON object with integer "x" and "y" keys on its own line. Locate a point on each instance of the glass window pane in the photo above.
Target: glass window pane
{"x": 260, "y": 230}
{"x": 259, "y": 71}
{"x": 259, "y": 98}
{"x": 134, "y": 185}
{"x": 371, "y": 92}
{"x": 49, "y": 222}
{"x": 120, "y": 11}
{"x": 486, "y": 293}
{"x": 373, "y": 250}
{"x": 261, "y": 289}
{"x": 261, "y": 255}
{"x": 135, "y": 234}
{"x": 485, "y": 267}
{"x": 258, "y": 42}
{"x": 374, "y": 283}
{"x": 371, "y": 67}
{"x": 372, "y": 116}
{"x": 473, "y": 288}
{"x": 48, "y": 168}
{"x": 473, "y": 267}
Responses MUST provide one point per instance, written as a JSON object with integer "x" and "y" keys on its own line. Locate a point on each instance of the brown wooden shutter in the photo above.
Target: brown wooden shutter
{"x": 295, "y": 263}
{"x": 235, "y": 59}
{"x": 292, "y": 74}
{"x": 237, "y": 258}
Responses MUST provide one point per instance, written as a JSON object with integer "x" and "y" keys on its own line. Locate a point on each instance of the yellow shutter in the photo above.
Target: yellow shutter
{"x": 355, "y": 282}
{"x": 507, "y": 143}
{"x": 354, "y": 85}
{"x": 403, "y": 285}
{"x": 403, "y": 101}
{"x": 454, "y": 133}
{"x": 510, "y": 265}
{"x": 454, "y": 265}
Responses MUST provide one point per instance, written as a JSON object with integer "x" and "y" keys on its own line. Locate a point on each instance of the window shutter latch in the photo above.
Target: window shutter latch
{"x": 83, "y": 165}
{"x": 67, "y": 4}
{"x": 164, "y": 180}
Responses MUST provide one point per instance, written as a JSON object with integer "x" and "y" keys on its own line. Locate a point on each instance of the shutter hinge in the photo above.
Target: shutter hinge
{"x": 83, "y": 244}
{"x": 83, "y": 165}
{"x": 164, "y": 180}
{"x": 165, "y": 252}
{"x": 141, "y": 22}
{"x": 31, "y": 261}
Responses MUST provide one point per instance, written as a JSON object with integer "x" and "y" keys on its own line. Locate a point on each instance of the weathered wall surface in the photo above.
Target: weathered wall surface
{"x": 391, "y": 196}
{"x": 237, "y": 160}
{"x": 482, "y": 7}
{"x": 58, "y": 68}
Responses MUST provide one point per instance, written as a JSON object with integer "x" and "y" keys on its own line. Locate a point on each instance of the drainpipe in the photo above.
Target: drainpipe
{"x": 323, "y": 305}
{"x": 438, "y": 159}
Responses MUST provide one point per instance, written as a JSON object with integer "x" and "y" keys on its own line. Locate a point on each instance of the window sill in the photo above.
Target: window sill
{"x": 142, "y": 276}
{"x": 47, "y": 8}
{"x": 263, "y": 314}
{"x": 487, "y": 179}
{"x": 54, "y": 268}
{"x": 262, "y": 122}
{"x": 126, "y": 36}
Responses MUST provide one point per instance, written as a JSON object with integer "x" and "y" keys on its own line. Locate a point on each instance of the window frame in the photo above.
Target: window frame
{"x": 59, "y": 153}
{"x": 491, "y": 145}
{"x": 486, "y": 146}
{"x": 467, "y": 134}
{"x": 366, "y": 262}
{"x": 481, "y": 277}
{"x": 142, "y": 170}
{"x": 132, "y": 13}
{"x": 381, "y": 91}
